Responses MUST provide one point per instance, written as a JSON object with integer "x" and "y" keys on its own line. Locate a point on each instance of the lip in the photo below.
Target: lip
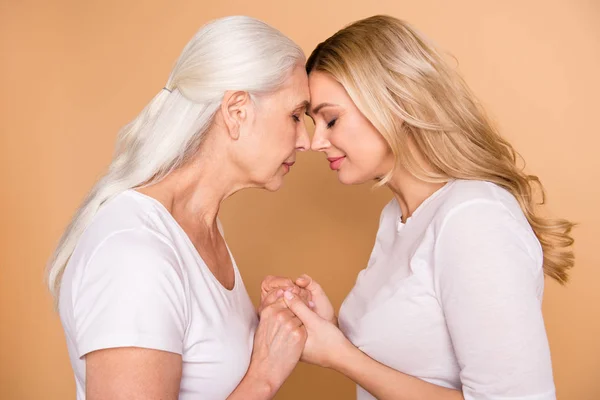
{"x": 335, "y": 162}
{"x": 288, "y": 166}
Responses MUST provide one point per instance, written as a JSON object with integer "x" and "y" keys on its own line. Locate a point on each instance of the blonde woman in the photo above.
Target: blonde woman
{"x": 449, "y": 306}
{"x": 151, "y": 301}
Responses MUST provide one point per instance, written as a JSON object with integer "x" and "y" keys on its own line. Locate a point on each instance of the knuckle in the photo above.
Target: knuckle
{"x": 297, "y": 334}
{"x": 268, "y": 310}
{"x": 281, "y": 317}
{"x": 289, "y": 325}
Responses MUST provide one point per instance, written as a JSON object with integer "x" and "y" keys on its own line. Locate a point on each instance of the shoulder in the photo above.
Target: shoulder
{"x": 126, "y": 237}
{"x": 481, "y": 202}
{"x": 127, "y": 218}
{"x": 477, "y": 215}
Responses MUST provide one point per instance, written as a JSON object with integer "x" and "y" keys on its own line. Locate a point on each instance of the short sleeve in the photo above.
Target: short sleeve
{"x": 488, "y": 277}
{"x": 131, "y": 293}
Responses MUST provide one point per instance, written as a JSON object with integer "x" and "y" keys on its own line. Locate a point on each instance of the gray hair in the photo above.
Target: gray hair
{"x": 232, "y": 53}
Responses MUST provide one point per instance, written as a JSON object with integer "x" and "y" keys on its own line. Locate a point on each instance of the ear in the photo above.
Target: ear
{"x": 235, "y": 111}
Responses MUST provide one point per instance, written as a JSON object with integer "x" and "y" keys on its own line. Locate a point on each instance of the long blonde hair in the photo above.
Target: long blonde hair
{"x": 409, "y": 93}
{"x": 231, "y": 53}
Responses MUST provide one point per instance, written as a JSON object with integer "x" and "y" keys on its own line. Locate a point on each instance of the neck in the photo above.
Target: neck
{"x": 410, "y": 192}
{"x": 194, "y": 192}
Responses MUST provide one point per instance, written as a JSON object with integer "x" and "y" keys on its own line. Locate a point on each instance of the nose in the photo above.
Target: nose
{"x": 320, "y": 142}
{"x": 302, "y": 140}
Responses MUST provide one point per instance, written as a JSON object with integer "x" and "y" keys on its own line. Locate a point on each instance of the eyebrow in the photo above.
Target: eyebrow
{"x": 304, "y": 105}
{"x": 321, "y": 106}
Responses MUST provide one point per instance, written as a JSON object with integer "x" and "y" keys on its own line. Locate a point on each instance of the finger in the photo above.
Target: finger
{"x": 304, "y": 294}
{"x": 306, "y": 282}
{"x": 287, "y": 320}
{"x": 274, "y": 282}
{"x": 296, "y": 322}
{"x": 294, "y": 303}
{"x": 303, "y": 280}
{"x": 293, "y": 327}
{"x": 286, "y": 316}
{"x": 273, "y": 309}
{"x": 270, "y": 298}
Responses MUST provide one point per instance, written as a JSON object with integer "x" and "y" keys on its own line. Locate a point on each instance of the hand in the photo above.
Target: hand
{"x": 322, "y": 305}
{"x": 272, "y": 288}
{"x": 325, "y": 341}
{"x": 278, "y": 344}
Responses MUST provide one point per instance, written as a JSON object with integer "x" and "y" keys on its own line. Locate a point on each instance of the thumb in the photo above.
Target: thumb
{"x": 294, "y": 303}
{"x": 306, "y": 282}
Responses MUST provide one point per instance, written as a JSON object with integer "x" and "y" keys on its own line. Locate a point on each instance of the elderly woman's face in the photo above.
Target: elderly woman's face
{"x": 276, "y": 131}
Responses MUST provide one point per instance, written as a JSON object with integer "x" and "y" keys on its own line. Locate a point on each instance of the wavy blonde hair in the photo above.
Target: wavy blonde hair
{"x": 403, "y": 86}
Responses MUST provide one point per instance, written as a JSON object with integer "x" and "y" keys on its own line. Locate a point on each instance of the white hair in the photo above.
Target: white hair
{"x": 232, "y": 53}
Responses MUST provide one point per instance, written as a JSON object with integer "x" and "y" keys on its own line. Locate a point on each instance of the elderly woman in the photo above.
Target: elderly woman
{"x": 150, "y": 298}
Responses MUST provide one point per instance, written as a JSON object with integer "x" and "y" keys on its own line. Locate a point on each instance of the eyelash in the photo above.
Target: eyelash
{"x": 331, "y": 123}
{"x": 296, "y": 118}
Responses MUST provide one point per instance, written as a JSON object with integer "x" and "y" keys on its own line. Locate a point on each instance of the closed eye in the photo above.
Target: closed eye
{"x": 331, "y": 123}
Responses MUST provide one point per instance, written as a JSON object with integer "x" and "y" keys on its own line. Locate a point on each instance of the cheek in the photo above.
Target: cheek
{"x": 278, "y": 144}
{"x": 275, "y": 138}
{"x": 285, "y": 138}
{"x": 369, "y": 155}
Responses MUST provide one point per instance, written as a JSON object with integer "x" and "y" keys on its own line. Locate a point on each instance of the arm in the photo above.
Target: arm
{"x": 489, "y": 280}
{"x": 278, "y": 344}
{"x": 328, "y": 347}
{"x": 386, "y": 383}
{"x": 129, "y": 315}
{"x": 253, "y": 387}
{"x": 138, "y": 373}
{"x": 132, "y": 373}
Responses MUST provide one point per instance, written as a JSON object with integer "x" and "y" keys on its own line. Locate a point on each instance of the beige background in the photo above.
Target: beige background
{"x": 73, "y": 72}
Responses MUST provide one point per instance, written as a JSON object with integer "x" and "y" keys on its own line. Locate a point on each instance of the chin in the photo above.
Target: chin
{"x": 274, "y": 184}
{"x": 350, "y": 179}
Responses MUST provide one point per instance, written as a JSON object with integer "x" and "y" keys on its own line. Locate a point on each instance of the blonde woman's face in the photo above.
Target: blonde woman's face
{"x": 354, "y": 148}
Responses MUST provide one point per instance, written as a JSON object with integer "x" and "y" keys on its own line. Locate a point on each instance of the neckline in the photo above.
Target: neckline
{"x": 157, "y": 204}
{"x": 400, "y": 225}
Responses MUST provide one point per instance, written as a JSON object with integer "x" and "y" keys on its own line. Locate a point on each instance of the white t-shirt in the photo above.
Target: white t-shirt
{"x": 453, "y": 296}
{"x": 136, "y": 280}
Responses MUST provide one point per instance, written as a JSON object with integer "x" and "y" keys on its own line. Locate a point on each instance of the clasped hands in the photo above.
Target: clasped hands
{"x": 307, "y": 312}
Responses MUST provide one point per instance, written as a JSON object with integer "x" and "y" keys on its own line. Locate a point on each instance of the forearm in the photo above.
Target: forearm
{"x": 386, "y": 383}
{"x": 253, "y": 387}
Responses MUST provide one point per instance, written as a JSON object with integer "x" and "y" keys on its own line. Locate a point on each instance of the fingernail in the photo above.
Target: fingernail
{"x": 279, "y": 293}
{"x": 289, "y": 289}
{"x": 288, "y": 295}
{"x": 311, "y": 304}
